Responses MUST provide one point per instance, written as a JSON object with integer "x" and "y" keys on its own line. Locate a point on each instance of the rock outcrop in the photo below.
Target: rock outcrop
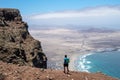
{"x": 16, "y": 44}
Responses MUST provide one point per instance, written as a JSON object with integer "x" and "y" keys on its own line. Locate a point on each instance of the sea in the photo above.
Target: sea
{"x": 106, "y": 62}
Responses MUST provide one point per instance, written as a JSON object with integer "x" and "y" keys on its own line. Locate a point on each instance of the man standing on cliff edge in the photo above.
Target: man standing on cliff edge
{"x": 66, "y": 64}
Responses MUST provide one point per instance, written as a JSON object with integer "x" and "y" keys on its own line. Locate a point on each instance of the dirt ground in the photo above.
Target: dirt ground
{"x": 16, "y": 72}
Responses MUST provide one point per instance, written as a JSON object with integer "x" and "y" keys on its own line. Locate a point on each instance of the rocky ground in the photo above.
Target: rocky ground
{"x": 15, "y": 72}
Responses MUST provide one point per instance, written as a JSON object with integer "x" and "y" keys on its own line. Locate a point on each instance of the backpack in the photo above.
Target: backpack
{"x": 66, "y": 60}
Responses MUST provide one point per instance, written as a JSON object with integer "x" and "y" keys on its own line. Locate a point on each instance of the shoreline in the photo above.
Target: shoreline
{"x": 82, "y": 65}
{"x": 75, "y": 57}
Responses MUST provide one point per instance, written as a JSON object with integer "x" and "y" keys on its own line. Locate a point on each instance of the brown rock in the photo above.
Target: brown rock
{"x": 16, "y": 44}
{"x": 10, "y": 15}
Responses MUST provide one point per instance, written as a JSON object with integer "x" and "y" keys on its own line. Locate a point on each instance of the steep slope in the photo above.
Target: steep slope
{"x": 16, "y": 44}
{"x": 14, "y": 72}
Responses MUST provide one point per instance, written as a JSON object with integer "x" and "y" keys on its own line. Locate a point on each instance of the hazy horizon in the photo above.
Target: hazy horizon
{"x": 97, "y": 17}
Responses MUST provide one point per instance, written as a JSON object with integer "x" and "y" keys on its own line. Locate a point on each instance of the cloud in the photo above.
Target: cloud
{"x": 96, "y": 16}
{"x": 54, "y": 31}
{"x": 101, "y": 11}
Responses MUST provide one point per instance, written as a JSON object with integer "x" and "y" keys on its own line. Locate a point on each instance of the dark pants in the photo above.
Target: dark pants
{"x": 44, "y": 64}
{"x": 66, "y": 70}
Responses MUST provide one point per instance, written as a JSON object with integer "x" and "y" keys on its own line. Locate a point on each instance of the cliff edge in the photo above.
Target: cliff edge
{"x": 15, "y": 72}
{"x": 16, "y": 44}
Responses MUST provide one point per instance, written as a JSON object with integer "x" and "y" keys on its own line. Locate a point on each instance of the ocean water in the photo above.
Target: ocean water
{"x": 105, "y": 62}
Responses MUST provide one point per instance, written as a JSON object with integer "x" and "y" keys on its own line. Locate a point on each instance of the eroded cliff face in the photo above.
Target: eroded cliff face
{"x": 16, "y": 44}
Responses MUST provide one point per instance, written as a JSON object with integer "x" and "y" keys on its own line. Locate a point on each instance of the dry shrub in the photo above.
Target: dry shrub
{"x": 2, "y": 77}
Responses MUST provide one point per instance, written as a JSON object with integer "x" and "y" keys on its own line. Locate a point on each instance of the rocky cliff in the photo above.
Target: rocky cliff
{"x": 16, "y": 44}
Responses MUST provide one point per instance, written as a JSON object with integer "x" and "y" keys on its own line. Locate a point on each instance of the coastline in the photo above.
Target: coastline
{"x": 84, "y": 54}
{"x": 81, "y": 64}
{"x": 75, "y": 57}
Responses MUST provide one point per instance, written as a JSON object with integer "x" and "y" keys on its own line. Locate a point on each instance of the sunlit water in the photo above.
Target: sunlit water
{"x": 105, "y": 62}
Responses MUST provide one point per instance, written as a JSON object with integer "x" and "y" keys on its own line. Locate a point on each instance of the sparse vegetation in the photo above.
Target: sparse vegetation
{"x": 2, "y": 77}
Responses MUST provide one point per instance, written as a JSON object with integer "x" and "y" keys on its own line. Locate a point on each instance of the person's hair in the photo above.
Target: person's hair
{"x": 65, "y": 55}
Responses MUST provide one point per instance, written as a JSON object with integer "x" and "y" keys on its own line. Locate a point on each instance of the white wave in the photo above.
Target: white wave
{"x": 83, "y": 63}
{"x": 88, "y": 62}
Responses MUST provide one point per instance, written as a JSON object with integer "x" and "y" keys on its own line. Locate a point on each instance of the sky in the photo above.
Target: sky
{"x": 44, "y": 6}
{"x": 94, "y": 13}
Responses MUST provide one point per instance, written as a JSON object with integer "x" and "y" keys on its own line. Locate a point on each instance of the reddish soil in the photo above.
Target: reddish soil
{"x": 16, "y": 72}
